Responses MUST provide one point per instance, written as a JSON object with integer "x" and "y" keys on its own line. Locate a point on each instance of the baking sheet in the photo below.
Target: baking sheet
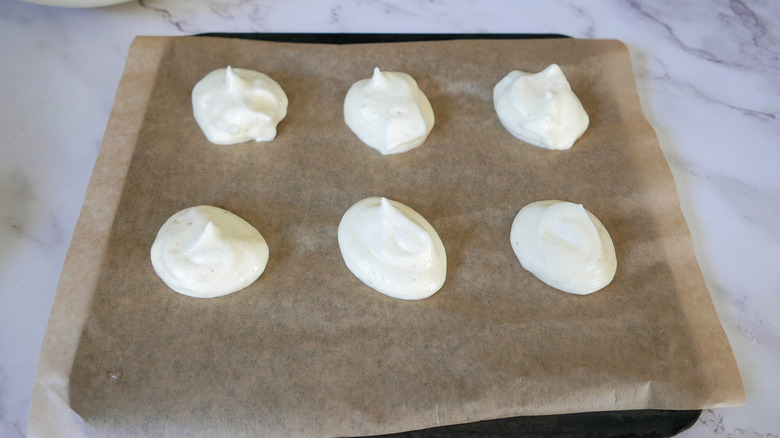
{"x": 309, "y": 350}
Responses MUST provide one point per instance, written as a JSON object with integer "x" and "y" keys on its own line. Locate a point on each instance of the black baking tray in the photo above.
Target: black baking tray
{"x": 363, "y": 38}
{"x": 646, "y": 423}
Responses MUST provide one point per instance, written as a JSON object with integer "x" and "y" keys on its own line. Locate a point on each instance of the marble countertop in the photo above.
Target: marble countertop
{"x": 709, "y": 82}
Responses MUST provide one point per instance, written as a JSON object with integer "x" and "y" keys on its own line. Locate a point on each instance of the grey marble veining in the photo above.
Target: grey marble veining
{"x": 708, "y": 75}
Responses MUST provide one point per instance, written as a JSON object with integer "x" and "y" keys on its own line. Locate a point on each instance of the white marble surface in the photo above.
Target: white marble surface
{"x": 709, "y": 80}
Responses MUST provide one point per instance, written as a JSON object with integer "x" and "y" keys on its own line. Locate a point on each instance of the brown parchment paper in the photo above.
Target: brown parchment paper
{"x": 308, "y": 350}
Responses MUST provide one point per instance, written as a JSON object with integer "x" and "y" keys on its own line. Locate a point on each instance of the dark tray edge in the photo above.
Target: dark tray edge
{"x": 367, "y": 38}
{"x": 609, "y": 424}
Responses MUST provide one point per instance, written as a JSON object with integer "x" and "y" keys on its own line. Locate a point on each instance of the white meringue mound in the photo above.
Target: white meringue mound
{"x": 392, "y": 249}
{"x": 389, "y": 112}
{"x": 235, "y": 105}
{"x": 207, "y": 252}
{"x": 540, "y": 109}
{"x": 564, "y": 245}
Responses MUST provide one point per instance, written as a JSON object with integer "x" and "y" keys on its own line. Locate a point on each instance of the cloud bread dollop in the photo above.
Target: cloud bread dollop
{"x": 389, "y": 112}
{"x": 207, "y": 252}
{"x": 392, "y": 248}
{"x": 564, "y": 245}
{"x": 235, "y": 105}
{"x": 541, "y": 108}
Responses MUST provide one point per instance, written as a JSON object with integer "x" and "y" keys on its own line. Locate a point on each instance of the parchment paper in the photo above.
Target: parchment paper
{"x": 308, "y": 350}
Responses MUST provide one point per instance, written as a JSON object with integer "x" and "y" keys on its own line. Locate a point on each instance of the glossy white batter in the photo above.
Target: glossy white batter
{"x": 392, "y": 249}
{"x": 207, "y": 252}
{"x": 564, "y": 245}
{"x": 235, "y": 105}
{"x": 540, "y": 108}
{"x": 389, "y": 112}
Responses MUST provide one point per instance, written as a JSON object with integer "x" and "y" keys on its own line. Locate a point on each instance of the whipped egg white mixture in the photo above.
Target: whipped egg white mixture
{"x": 388, "y": 112}
{"x": 207, "y": 252}
{"x": 392, "y": 249}
{"x": 235, "y": 105}
{"x": 541, "y": 108}
{"x": 564, "y": 245}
